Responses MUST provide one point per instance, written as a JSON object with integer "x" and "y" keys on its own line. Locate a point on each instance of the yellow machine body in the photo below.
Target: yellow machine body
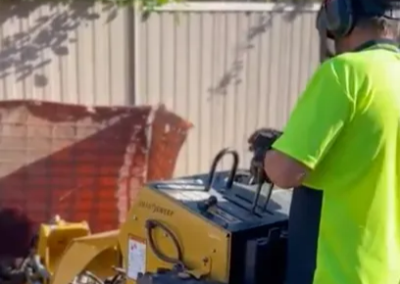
{"x": 212, "y": 233}
{"x": 211, "y": 228}
{"x": 218, "y": 242}
{"x": 208, "y": 244}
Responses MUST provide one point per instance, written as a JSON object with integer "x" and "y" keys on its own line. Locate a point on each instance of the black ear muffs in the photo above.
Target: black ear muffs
{"x": 336, "y": 18}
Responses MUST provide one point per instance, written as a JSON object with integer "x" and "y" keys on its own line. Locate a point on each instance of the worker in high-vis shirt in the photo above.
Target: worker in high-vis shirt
{"x": 340, "y": 151}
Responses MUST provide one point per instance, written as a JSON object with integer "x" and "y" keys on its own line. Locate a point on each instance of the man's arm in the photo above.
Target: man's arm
{"x": 322, "y": 111}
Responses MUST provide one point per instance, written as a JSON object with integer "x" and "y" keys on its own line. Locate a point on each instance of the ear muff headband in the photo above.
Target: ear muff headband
{"x": 336, "y": 18}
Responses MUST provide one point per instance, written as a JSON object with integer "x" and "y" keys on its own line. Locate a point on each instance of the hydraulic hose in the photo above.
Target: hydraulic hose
{"x": 151, "y": 224}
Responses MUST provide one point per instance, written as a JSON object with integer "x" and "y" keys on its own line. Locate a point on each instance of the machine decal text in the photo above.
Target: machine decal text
{"x": 156, "y": 208}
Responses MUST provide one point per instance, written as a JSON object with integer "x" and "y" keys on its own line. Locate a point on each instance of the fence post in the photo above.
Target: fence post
{"x": 130, "y": 56}
{"x": 135, "y": 18}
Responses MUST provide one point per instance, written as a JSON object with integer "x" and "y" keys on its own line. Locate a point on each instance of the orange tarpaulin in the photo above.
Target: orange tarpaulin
{"x": 83, "y": 163}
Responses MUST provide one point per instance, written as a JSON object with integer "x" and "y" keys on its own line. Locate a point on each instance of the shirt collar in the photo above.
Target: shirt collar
{"x": 387, "y": 44}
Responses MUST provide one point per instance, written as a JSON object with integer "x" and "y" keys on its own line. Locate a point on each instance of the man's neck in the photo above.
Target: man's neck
{"x": 374, "y": 42}
{"x": 362, "y": 38}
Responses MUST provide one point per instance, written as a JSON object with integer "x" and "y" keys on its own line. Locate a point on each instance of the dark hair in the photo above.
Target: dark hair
{"x": 17, "y": 231}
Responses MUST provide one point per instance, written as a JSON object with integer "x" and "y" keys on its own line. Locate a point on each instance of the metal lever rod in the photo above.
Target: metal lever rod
{"x": 260, "y": 183}
{"x": 268, "y": 197}
{"x": 214, "y": 165}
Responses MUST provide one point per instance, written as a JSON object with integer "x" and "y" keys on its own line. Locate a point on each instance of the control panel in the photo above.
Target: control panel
{"x": 229, "y": 198}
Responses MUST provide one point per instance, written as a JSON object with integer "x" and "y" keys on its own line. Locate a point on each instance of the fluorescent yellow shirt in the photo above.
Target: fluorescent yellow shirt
{"x": 345, "y": 128}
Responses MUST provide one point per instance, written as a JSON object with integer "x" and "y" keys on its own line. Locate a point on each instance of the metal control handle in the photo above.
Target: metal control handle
{"x": 214, "y": 165}
{"x": 260, "y": 182}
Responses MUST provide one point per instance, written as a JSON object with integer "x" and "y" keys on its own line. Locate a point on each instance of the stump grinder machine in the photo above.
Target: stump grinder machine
{"x": 219, "y": 227}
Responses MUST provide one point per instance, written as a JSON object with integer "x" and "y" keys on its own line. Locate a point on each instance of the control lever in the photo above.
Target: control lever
{"x": 214, "y": 165}
{"x": 268, "y": 197}
{"x": 205, "y": 205}
{"x": 260, "y": 183}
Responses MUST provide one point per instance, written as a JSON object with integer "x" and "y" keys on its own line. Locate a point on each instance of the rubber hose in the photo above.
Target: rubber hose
{"x": 150, "y": 226}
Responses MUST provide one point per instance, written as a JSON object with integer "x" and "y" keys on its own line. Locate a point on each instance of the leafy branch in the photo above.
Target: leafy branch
{"x": 146, "y": 5}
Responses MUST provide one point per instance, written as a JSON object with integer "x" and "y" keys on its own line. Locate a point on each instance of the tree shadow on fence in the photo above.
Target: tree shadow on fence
{"x": 264, "y": 21}
{"x": 23, "y": 52}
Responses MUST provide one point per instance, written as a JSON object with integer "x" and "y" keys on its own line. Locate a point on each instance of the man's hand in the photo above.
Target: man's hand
{"x": 259, "y": 143}
{"x": 263, "y": 138}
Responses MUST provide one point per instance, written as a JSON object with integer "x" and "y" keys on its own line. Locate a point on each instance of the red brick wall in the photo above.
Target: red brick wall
{"x": 83, "y": 164}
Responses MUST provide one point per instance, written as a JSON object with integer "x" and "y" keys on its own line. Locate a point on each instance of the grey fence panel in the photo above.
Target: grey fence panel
{"x": 228, "y": 68}
{"x": 74, "y": 53}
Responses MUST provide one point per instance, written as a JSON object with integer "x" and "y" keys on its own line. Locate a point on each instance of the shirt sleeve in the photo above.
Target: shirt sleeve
{"x": 320, "y": 114}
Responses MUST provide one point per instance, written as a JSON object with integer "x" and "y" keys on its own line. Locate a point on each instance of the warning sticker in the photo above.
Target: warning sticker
{"x": 136, "y": 258}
